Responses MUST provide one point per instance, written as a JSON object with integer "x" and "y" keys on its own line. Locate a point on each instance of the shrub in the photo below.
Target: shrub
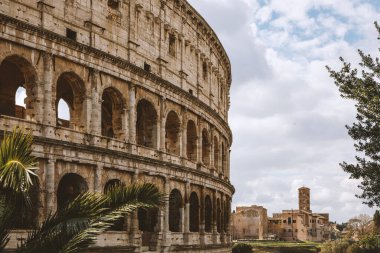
{"x": 242, "y": 248}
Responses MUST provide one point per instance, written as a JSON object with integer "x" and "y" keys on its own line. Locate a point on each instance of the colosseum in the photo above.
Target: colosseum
{"x": 123, "y": 91}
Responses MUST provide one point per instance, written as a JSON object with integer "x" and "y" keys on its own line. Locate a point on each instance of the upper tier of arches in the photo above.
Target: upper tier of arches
{"x": 145, "y": 120}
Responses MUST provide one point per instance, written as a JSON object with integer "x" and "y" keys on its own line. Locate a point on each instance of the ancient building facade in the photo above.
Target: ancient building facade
{"x": 249, "y": 223}
{"x": 300, "y": 224}
{"x": 146, "y": 90}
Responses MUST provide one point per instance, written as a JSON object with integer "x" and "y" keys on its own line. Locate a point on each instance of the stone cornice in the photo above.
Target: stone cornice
{"x": 122, "y": 63}
{"x": 143, "y": 159}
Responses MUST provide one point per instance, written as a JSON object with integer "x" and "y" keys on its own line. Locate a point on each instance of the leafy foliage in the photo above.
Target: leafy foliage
{"x": 376, "y": 222}
{"x": 242, "y": 248}
{"x": 364, "y": 89}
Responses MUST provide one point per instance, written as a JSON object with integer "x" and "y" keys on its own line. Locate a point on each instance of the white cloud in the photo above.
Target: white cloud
{"x": 287, "y": 116}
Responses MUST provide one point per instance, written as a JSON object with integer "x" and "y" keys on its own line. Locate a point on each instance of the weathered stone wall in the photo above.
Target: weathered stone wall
{"x": 122, "y": 69}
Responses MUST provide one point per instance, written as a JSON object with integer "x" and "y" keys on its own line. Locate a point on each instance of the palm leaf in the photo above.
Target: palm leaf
{"x": 17, "y": 165}
{"x": 121, "y": 202}
{"x": 77, "y": 226}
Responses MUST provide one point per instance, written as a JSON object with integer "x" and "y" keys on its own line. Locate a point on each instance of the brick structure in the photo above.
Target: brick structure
{"x": 300, "y": 224}
{"x": 146, "y": 85}
{"x": 249, "y": 223}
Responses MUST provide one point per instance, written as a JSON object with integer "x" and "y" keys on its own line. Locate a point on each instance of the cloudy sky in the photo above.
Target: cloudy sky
{"x": 287, "y": 117}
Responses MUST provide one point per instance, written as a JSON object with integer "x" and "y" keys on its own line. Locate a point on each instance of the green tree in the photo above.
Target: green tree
{"x": 363, "y": 88}
{"x": 76, "y": 226}
{"x": 376, "y": 222}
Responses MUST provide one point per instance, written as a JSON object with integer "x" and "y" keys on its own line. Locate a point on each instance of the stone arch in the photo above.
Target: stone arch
{"x": 146, "y": 124}
{"x": 70, "y": 89}
{"x": 69, "y": 187}
{"x": 208, "y": 214}
{"x": 111, "y": 113}
{"x": 218, "y": 216}
{"x": 16, "y": 72}
{"x": 172, "y": 133}
{"x": 175, "y": 206}
{"x": 216, "y": 153}
{"x": 191, "y": 147}
{"x": 112, "y": 183}
{"x": 205, "y": 147}
{"x": 194, "y": 212}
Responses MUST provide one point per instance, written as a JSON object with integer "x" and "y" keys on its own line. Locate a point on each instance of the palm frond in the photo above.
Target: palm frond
{"x": 63, "y": 225}
{"x": 17, "y": 164}
{"x": 77, "y": 226}
{"x": 6, "y": 212}
{"x": 121, "y": 202}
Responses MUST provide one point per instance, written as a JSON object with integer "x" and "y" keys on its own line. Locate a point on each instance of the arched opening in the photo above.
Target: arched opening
{"x": 223, "y": 159}
{"x": 146, "y": 124}
{"x": 63, "y": 118}
{"x": 69, "y": 187}
{"x": 172, "y": 133}
{"x": 205, "y": 148}
{"x": 17, "y": 79}
{"x": 119, "y": 224}
{"x": 218, "y": 216}
{"x": 112, "y": 110}
{"x": 208, "y": 214}
{"x": 194, "y": 212}
{"x": 20, "y": 110}
{"x": 175, "y": 205}
{"x": 148, "y": 219}
{"x": 191, "y": 146}
{"x": 216, "y": 154}
{"x": 69, "y": 100}
{"x": 111, "y": 184}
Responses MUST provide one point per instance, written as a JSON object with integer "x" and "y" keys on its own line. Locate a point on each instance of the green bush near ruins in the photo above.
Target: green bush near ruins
{"x": 276, "y": 247}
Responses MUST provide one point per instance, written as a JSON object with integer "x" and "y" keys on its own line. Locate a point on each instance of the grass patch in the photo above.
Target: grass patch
{"x": 284, "y": 247}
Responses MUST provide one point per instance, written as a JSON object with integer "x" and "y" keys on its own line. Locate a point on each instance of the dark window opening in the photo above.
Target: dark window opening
{"x": 191, "y": 147}
{"x": 194, "y": 212}
{"x": 70, "y": 186}
{"x": 172, "y": 130}
{"x": 175, "y": 205}
{"x": 172, "y": 44}
{"x": 205, "y": 72}
{"x": 71, "y": 34}
{"x": 208, "y": 214}
{"x": 191, "y": 92}
{"x": 147, "y": 67}
{"x": 113, "y": 4}
{"x": 146, "y": 124}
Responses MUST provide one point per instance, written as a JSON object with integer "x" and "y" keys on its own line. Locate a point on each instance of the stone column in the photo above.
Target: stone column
{"x": 49, "y": 116}
{"x": 202, "y": 235}
{"x": 222, "y": 223}
{"x": 214, "y": 218}
{"x": 50, "y": 183}
{"x": 134, "y": 233}
{"x": 228, "y": 236}
{"x": 132, "y": 113}
{"x": 184, "y": 133}
{"x": 187, "y": 214}
{"x": 124, "y": 123}
{"x": 86, "y": 113}
{"x": 199, "y": 146}
{"x": 96, "y": 98}
{"x": 212, "y": 165}
{"x": 165, "y": 229}
{"x": 98, "y": 178}
{"x": 161, "y": 126}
